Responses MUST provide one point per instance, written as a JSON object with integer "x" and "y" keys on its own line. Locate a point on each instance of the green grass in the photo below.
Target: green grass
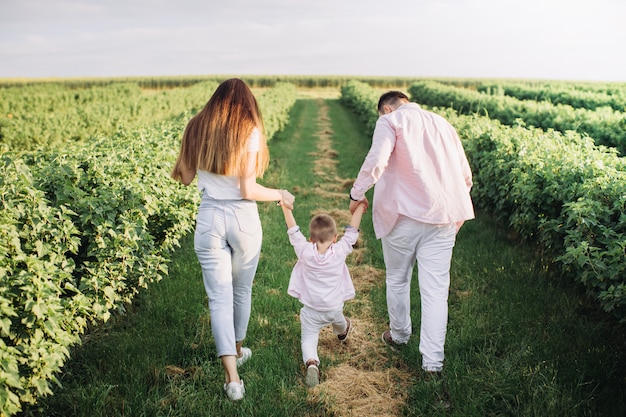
{"x": 520, "y": 342}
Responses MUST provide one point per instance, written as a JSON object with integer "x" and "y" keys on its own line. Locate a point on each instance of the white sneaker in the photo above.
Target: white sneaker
{"x": 235, "y": 390}
{"x": 312, "y": 376}
{"x": 246, "y": 353}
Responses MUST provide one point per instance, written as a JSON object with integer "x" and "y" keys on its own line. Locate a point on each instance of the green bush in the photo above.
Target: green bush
{"x": 46, "y": 116}
{"x": 606, "y": 126}
{"x": 82, "y": 231}
{"x": 559, "y": 190}
{"x": 41, "y": 309}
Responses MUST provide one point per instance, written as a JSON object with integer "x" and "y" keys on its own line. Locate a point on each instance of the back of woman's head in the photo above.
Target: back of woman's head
{"x": 233, "y": 102}
{"x": 222, "y": 128}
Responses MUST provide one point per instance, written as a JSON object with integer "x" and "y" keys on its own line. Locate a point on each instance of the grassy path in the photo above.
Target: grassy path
{"x": 360, "y": 381}
{"x": 519, "y": 342}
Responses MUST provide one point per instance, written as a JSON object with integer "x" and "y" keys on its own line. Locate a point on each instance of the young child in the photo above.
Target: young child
{"x": 321, "y": 281}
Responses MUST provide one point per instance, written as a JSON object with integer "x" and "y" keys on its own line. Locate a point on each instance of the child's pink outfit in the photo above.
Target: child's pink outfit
{"x": 322, "y": 283}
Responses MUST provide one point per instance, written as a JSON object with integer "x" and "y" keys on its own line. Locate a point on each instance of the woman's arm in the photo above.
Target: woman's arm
{"x": 183, "y": 174}
{"x": 187, "y": 175}
{"x": 251, "y": 190}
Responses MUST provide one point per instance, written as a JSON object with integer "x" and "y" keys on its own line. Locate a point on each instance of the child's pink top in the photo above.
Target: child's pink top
{"x": 322, "y": 281}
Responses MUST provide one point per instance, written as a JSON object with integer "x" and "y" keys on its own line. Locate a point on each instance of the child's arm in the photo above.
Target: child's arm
{"x": 289, "y": 219}
{"x": 357, "y": 215}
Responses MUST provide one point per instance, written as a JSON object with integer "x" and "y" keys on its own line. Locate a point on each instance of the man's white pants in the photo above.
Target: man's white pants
{"x": 431, "y": 246}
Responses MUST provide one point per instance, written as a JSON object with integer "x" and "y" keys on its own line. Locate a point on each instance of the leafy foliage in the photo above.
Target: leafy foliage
{"x": 557, "y": 189}
{"x": 605, "y": 125}
{"x": 589, "y": 97}
{"x": 82, "y": 231}
{"x": 47, "y": 116}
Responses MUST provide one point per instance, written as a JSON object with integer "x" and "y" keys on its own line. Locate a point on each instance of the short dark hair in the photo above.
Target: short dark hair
{"x": 322, "y": 228}
{"x": 391, "y": 97}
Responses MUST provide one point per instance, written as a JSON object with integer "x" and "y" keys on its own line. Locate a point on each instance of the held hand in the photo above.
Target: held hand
{"x": 355, "y": 204}
{"x": 286, "y": 199}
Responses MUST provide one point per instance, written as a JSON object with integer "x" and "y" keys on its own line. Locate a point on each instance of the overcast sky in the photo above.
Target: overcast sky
{"x": 545, "y": 39}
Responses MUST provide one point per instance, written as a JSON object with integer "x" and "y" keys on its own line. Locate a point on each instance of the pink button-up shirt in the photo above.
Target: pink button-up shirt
{"x": 322, "y": 282}
{"x": 420, "y": 170}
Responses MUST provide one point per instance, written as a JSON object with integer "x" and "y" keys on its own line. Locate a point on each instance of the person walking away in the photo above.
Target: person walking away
{"x": 421, "y": 199}
{"x": 225, "y": 146}
{"x": 321, "y": 281}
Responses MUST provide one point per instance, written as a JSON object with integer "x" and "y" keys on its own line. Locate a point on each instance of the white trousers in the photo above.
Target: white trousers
{"x": 227, "y": 242}
{"x": 431, "y": 246}
{"x": 312, "y": 322}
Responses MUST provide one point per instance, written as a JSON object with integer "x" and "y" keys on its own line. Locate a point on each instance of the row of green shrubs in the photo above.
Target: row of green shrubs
{"x": 51, "y": 115}
{"x": 606, "y": 126}
{"x": 82, "y": 230}
{"x": 167, "y": 82}
{"x": 558, "y": 93}
{"x": 615, "y": 89}
{"x": 556, "y": 189}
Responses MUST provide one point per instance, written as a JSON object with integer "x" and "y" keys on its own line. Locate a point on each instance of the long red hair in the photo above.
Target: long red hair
{"x": 216, "y": 139}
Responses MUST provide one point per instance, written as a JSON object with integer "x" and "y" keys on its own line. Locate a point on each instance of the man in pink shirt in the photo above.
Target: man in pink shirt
{"x": 421, "y": 199}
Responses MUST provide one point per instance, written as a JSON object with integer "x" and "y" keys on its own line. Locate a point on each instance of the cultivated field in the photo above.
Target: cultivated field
{"x": 102, "y": 309}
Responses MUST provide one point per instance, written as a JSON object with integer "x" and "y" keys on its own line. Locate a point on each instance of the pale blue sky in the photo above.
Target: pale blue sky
{"x": 545, "y": 39}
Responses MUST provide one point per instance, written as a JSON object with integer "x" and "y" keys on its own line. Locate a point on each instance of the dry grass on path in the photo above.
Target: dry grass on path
{"x": 364, "y": 382}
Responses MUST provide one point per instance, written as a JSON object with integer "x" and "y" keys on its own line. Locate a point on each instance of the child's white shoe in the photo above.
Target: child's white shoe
{"x": 312, "y": 376}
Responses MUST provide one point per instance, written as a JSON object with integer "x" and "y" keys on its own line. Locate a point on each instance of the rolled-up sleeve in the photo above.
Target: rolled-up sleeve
{"x": 383, "y": 143}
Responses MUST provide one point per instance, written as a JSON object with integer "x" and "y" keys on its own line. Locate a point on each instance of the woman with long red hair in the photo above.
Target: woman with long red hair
{"x": 225, "y": 146}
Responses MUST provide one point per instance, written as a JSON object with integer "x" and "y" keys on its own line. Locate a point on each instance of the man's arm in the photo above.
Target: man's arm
{"x": 375, "y": 163}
